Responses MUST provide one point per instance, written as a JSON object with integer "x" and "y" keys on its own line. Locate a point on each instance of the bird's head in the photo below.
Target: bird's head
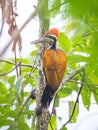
{"x": 53, "y": 35}
{"x": 54, "y": 32}
{"x": 50, "y": 36}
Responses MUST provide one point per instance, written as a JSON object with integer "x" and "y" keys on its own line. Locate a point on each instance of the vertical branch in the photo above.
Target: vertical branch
{"x": 42, "y": 118}
{"x": 43, "y": 16}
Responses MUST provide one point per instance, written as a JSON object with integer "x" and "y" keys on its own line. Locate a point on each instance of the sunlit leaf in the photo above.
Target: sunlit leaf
{"x": 34, "y": 53}
{"x": 75, "y": 112}
{"x": 11, "y": 80}
{"x": 5, "y": 122}
{"x": 95, "y": 93}
{"x": 86, "y": 96}
{"x": 64, "y": 42}
{"x": 77, "y": 58}
{"x": 57, "y": 101}
{"x": 64, "y": 128}
{"x": 13, "y": 126}
{"x": 3, "y": 99}
{"x": 94, "y": 78}
{"x": 53, "y": 123}
{"x": 5, "y": 67}
{"x": 11, "y": 113}
{"x": 23, "y": 125}
{"x": 3, "y": 89}
{"x": 93, "y": 59}
{"x": 65, "y": 92}
{"x": 55, "y": 7}
{"x": 18, "y": 84}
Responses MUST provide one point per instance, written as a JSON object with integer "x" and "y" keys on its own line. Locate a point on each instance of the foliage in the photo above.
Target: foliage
{"x": 81, "y": 48}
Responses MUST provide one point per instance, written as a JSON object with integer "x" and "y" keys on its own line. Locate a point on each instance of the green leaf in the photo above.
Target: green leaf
{"x": 74, "y": 117}
{"x": 64, "y": 42}
{"x": 76, "y": 40}
{"x": 6, "y": 122}
{"x": 3, "y": 99}
{"x": 12, "y": 113}
{"x": 24, "y": 60}
{"x": 5, "y": 67}
{"x": 34, "y": 53}
{"x": 81, "y": 10}
{"x": 86, "y": 95}
{"x": 3, "y": 88}
{"x": 93, "y": 59}
{"x": 95, "y": 93}
{"x": 77, "y": 58}
{"x": 65, "y": 92}
{"x": 96, "y": 98}
{"x": 19, "y": 89}
{"x": 55, "y": 7}
{"x": 79, "y": 44}
{"x": 26, "y": 70}
{"x": 94, "y": 78}
{"x": 23, "y": 126}
{"x": 13, "y": 126}
{"x": 11, "y": 80}
{"x": 64, "y": 128}
{"x": 57, "y": 101}
{"x": 18, "y": 84}
{"x": 53, "y": 123}
{"x": 27, "y": 112}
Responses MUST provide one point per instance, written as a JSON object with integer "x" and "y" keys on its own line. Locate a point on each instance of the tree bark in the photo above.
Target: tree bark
{"x": 43, "y": 117}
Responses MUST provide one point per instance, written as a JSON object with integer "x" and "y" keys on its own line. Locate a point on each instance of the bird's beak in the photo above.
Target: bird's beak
{"x": 42, "y": 40}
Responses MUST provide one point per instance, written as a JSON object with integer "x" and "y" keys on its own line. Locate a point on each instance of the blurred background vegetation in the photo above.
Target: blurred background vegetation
{"x": 78, "y": 38}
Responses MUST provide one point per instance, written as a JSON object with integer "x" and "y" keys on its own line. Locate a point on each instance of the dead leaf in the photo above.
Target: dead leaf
{"x": 3, "y": 4}
{"x": 8, "y": 12}
{"x": 15, "y": 34}
{"x": 20, "y": 42}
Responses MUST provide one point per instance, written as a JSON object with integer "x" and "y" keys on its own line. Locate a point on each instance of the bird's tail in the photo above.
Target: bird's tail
{"x": 47, "y": 96}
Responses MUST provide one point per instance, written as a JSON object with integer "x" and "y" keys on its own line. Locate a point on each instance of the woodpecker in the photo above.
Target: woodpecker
{"x": 54, "y": 65}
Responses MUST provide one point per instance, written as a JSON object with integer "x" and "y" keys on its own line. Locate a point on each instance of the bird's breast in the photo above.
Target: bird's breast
{"x": 54, "y": 65}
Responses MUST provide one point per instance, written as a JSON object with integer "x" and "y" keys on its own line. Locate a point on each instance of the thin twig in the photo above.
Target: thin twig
{"x": 51, "y": 10}
{"x": 7, "y": 105}
{"x": 88, "y": 84}
{"x": 2, "y": 26}
{"x": 93, "y": 90}
{"x": 24, "y": 65}
{"x": 16, "y": 65}
{"x": 23, "y": 105}
{"x": 33, "y": 120}
{"x": 73, "y": 81}
{"x": 3, "y": 74}
{"x": 9, "y": 62}
{"x": 83, "y": 79}
{"x": 92, "y": 27}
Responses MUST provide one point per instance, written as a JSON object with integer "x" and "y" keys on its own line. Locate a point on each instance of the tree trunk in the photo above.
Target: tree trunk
{"x": 43, "y": 117}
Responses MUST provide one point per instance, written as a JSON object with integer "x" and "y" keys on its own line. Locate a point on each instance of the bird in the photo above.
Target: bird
{"x": 54, "y": 63}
